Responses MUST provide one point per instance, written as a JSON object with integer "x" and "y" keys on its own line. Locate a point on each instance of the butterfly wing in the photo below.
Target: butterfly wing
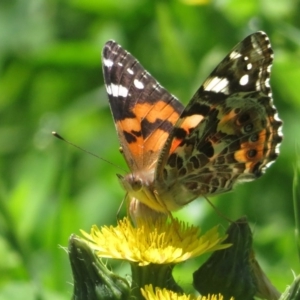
{"x": 144, "y": 112}
{"x": 228, "y": 132}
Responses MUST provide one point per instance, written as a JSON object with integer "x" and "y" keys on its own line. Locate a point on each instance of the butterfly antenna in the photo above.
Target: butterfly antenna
{"x": 54, "y": 133}
{"x": 218, "y": 211}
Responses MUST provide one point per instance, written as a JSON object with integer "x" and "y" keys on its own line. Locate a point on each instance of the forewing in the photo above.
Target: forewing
{"x": 229, "y": 131}
{"x": 144, "y": 112}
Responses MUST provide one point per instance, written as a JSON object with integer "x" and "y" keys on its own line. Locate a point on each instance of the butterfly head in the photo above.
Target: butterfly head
{"x": 132, "y": 182}
{"x": 139, "y": 185}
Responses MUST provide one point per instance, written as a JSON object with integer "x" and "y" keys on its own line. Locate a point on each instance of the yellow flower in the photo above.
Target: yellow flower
{"x": 164, "y": 294}
{"x": 153, "y": 242}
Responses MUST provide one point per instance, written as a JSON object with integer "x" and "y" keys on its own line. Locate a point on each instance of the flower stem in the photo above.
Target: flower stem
{"x": 155, "y": 274}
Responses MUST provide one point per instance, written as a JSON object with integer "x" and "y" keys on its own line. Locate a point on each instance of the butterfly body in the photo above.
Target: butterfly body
{"x": 228, "y": 133}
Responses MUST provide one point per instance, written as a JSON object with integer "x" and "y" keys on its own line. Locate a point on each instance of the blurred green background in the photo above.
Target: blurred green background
{"x": 51, "y": 79}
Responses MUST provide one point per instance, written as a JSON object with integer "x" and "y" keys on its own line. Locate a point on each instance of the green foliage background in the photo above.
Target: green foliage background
{"x": 51, "y": 79}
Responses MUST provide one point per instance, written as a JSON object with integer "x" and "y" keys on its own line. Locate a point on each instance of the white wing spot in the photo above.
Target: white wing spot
{"x": 271, "y": 162}
{"x": 244, "y": 79}
{"x": 276, "y": 117}
{"x": 217, "y": 84}
{"x": 249, "y": 66}
{"x": 138, "y": 84}
{"x": 123, "y": 91}
{"x": 234, "y": 55}
{"x": 246, "y": 58}
{"x": 130, "y": 71}
{"x": 108, "y": 89}
{"x": 114, "y": 90}
{"x": 117, "y": 90}
{"x": 280, "y": 133}
{"x": 120, "y": 64}
{"x": 108, "y": 62}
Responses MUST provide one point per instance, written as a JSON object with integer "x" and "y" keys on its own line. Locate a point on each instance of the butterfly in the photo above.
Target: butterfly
{"x": 228, "y": 133}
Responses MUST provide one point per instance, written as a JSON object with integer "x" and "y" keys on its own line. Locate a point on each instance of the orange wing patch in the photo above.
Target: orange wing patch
{"x": 147, "y": 132}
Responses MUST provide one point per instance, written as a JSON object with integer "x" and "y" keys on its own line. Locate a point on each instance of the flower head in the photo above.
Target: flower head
{"x": 156, "y": 242}
{"x": 164, "y": 294}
